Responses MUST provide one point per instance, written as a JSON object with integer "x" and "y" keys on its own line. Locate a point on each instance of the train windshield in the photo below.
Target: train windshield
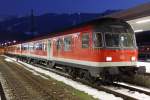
{"x": 112, "y": 40}
{"x": 119, "y": 37}
{"x": 126, "y": 40}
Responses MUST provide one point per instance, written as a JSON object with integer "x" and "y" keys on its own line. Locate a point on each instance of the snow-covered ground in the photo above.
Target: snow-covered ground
{"x": 146, "y": 64}
{"x": 101, "y": 95}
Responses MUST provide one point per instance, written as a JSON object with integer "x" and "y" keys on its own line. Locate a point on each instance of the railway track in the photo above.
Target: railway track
{"x": 131, "y": 88}
{"x": 101, "y": 87}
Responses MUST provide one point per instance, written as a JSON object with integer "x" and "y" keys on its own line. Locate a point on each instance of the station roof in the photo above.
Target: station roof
{"x": 138, "y": 17}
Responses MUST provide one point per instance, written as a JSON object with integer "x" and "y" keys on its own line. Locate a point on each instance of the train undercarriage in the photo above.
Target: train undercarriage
{"x": 90, "y": 74}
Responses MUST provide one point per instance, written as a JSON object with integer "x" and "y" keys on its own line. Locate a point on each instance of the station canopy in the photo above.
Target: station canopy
{"x": 138, "y": 17}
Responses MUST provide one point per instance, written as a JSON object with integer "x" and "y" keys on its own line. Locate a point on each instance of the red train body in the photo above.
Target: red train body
{"x": 101, "y": 48}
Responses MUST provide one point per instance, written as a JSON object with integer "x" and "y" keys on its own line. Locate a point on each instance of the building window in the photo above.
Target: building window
{"x": 97, "y": 40}
{"x": 85, "y": 40}
{"x": 67, "y": 43}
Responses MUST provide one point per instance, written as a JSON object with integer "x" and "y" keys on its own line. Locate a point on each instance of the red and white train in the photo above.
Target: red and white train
{"x": 102, "y": 48}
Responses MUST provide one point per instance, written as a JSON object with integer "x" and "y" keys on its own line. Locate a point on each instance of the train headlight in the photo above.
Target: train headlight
{"x": 133, "y": 58}
{"x": 108, "y": 58}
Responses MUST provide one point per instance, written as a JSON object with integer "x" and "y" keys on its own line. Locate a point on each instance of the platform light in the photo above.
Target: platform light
{"x": 9, "y": 42}
{"x": 14, "y": 41}
{"x": 136, "y": 31}
{"x": 143, "y": 21}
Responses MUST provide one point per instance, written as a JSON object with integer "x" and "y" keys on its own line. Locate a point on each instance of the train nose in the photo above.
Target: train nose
{"x": 120, "y": 56}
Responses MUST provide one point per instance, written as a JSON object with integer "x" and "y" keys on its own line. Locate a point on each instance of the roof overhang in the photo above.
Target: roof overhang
{"x": 138, "y": 17}
{"x": 140, "y": 24}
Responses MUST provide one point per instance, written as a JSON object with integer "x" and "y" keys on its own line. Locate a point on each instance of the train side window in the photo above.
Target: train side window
{"x": 38, "y": 46}
{"x": 24, "y": 46}
{"x": 97, "y": 40}
{"x": 59, "y": 44}
{"x": 67, "y": 43}
{"x": 44, "y": 46}
{"x": 85, "y": 40}
{"x": 32, "y": 46}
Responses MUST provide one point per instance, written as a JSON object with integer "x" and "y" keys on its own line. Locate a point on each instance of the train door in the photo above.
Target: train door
{"x": 49, "y": 49}
{"x": 59, "y": 47}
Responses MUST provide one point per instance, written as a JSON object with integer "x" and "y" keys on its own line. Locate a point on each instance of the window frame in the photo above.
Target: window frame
{"x": 61, "y": 46}
{"x": 25, "y": 46}
{"x": 101, "y": 41}
{"x": 133, "y": 39}
{"x": 87, "y": 33}
{"x": 119, "y": 46}
{"x": 70, "y": 46}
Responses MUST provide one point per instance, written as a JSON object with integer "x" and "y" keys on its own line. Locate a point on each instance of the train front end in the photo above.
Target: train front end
{"x": 119, "y": 51}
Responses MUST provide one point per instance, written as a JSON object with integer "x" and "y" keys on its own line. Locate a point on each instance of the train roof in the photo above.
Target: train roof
{"x": 55, "y": 33}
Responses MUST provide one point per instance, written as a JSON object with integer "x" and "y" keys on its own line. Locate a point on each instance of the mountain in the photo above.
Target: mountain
{"x": 21, "y": 28}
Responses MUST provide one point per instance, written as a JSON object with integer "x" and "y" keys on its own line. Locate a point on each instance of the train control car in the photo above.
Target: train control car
{"x": 104, "y": 48}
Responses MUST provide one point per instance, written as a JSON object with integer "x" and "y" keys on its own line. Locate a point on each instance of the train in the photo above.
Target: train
{"x": 1, "y": 51}
{"x": 103, "y": 48}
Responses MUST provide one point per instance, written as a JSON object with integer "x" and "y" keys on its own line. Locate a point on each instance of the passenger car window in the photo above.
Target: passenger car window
{"x": 97, "y": 40}
{"x": 59, "y": 43}
{"x": 67, "y": 43}
{"x": 85, "y": 40}
{"x": 24, "y": 46}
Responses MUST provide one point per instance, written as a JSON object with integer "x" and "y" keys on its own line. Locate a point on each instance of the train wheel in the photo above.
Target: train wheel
{"x": 73, "y": 72}
{"x": 86, "y": 76}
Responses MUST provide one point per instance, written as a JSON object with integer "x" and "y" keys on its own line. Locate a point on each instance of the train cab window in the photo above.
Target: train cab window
{"x": 126, "y": 40}
{"x": 85, "y": 40}
{"x": 97, "y": 40}
{"x": 59, "y": 44}
{"x": 112, "y": 40}
{"x": 67, "y": 43}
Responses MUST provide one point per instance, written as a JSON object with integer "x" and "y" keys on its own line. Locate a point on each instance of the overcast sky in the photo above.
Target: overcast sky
{"x": 23, "y": 7}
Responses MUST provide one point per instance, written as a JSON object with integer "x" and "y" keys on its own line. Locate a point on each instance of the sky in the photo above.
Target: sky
{"x": 23, "y": 7}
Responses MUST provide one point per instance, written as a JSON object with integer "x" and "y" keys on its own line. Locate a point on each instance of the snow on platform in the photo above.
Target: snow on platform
{"x": 101, "y": 95}
{"x": 146, "y": 64}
